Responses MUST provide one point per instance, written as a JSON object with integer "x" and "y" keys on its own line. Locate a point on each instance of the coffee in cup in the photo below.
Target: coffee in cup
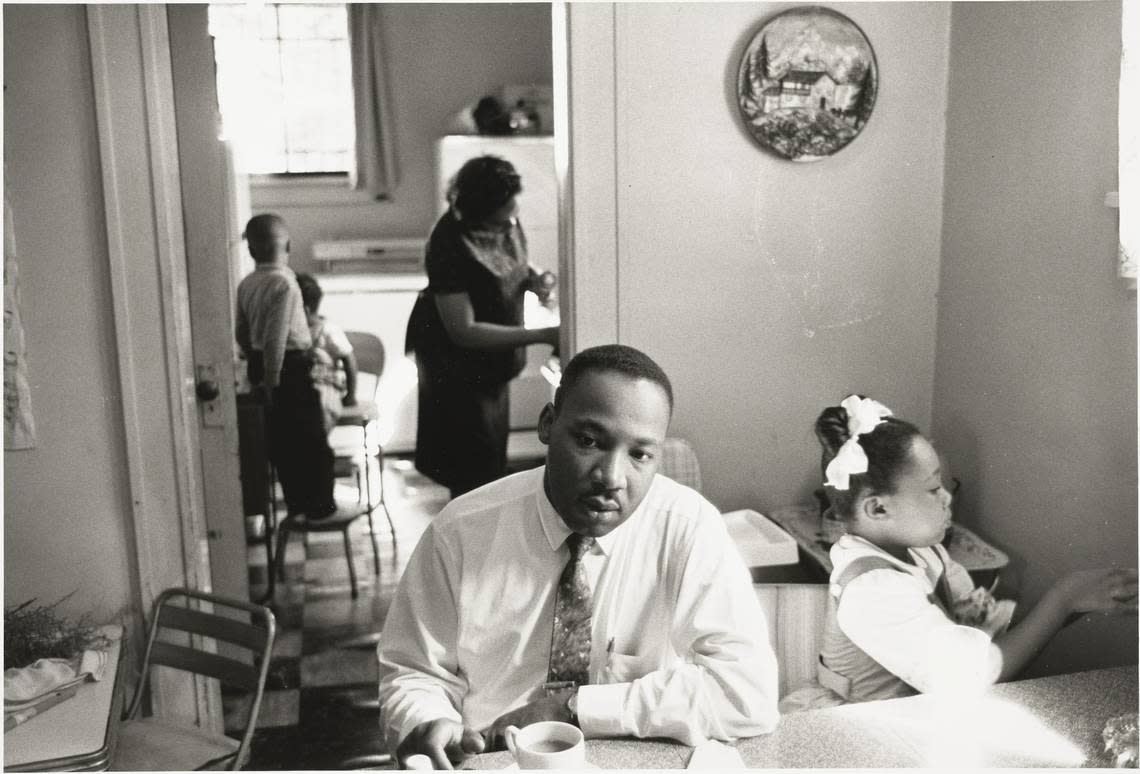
{"x": 549, "y": 744}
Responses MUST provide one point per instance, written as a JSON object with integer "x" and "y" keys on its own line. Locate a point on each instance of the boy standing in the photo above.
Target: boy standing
{"x": 274, "y": 336}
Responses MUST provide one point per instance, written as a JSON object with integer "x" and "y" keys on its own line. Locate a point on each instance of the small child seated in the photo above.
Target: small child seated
{"x": 906, "y": 617}
{"x": 334, "y": 364}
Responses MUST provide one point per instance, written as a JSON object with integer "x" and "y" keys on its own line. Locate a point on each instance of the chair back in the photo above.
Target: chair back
{"x": 369, "y": 352}
{"x": 185, "y": 612}
{"x": 796, "y": 615}
{"x": 679, "y": 462}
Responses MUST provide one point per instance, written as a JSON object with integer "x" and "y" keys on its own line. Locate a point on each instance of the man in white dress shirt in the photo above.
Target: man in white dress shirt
{"x": 655, "y": 603}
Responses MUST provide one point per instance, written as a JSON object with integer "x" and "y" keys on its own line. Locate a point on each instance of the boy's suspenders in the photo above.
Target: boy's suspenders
{"x": 941, "y": 597}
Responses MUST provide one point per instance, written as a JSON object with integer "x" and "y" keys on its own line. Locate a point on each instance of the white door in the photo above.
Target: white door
{"x": 211, "y": 234}
{"x": 157, "y": 342}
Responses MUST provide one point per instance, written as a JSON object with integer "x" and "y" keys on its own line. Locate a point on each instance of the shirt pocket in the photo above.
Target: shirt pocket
{"x": 622, "y": 668}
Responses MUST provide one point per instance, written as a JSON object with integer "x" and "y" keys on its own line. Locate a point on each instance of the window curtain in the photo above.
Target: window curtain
{"x": 1129, "y": 142}
{"x": 375, "y": 170}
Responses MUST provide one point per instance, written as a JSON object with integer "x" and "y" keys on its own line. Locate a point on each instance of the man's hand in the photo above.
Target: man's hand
{"x": 547, "y": 708}
{"x": 446, "y": 742}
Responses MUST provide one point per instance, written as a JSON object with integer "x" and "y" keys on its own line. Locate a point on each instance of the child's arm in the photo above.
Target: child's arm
{"x": 241, "y": 331}
{"x": 349, "y": 362}
{"x": 282, "y": 308}
{"x": 1087, "y": 591}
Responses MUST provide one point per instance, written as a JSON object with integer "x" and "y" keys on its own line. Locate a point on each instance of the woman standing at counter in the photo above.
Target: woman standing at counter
{"x": 467, "y": 327}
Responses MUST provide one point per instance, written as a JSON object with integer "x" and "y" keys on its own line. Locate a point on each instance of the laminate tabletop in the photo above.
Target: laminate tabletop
{"x": 1044, "y": 722}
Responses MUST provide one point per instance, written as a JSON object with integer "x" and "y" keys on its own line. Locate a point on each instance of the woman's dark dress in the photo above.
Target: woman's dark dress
{"x": 464, "y": 402}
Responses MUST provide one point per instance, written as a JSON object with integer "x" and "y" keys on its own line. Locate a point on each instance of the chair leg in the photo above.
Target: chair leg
{"x": 348, "y": 557}
{"x": 367, "y": 473}
{"x": 383, "y": 503}
{"x": 272, "y": 557}
{"x": 282, "y": 544}
{"x": 372, "y": 541}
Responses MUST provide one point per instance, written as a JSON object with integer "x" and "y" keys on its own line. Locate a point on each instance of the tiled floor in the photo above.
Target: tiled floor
{"x": 319, "y": 709}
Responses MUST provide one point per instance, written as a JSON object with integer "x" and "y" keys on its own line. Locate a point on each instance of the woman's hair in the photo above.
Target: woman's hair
{"x": 888, "y": 453}
{"x": 483, "y": 185}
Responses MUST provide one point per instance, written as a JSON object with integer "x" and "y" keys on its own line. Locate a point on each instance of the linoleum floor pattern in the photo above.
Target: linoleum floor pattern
{"x": 316, "y": 712}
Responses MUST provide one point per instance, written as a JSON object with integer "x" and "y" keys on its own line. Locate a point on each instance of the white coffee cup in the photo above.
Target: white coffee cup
{"x": 547, "y": 745}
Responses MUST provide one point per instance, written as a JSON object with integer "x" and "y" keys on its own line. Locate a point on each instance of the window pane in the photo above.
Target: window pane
{"x": 286, "y": 104}
{"x": 300, "y": 22}
{"x": 243, "y": 20}
{"x": 319, "y": 100}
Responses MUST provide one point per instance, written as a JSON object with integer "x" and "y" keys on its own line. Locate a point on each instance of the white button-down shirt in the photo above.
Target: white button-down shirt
{"x": 890, "y": 617}
{"x": 679, "y": 642}
{"x": 270, "y": 316}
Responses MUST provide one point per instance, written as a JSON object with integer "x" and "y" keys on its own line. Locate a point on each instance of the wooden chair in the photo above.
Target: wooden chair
{"x": 796, "y": 614}
{"x": 151, "y": 744}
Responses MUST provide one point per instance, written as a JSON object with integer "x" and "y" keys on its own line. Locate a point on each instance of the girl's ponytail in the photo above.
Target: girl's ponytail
{"x": 886, "y": 446}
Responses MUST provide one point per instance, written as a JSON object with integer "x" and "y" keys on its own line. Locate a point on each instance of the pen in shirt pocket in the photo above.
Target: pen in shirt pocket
{"x": 610, "y": 654}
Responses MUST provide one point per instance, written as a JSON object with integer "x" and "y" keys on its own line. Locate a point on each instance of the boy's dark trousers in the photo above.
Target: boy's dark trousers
{"x": 298, "y": 445}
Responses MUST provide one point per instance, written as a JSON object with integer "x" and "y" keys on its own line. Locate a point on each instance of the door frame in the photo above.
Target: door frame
{"x": 134, "y": 107}
{"x": 585, "y": 159}
{"x": 213, "y": 245}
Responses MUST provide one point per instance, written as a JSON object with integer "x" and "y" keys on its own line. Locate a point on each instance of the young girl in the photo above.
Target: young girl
{"x": 905, "y": 617}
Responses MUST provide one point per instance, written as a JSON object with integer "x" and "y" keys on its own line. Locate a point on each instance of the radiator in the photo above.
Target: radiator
{"x": 396, "y": 254}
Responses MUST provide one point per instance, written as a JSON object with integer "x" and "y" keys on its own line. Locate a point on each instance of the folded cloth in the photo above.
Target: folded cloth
{"x": 24, "y": 686}
{"x": 715, "y": 755}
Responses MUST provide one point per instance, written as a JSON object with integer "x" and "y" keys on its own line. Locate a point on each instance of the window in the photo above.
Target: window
{"x": 285, "y": 86}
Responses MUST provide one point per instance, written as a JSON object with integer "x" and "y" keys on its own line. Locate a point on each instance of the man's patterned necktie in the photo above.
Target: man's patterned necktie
{"x": 573, "y": 606}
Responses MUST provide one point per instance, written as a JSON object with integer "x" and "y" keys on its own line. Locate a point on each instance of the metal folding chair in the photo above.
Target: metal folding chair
{"x": 152, "y": 744}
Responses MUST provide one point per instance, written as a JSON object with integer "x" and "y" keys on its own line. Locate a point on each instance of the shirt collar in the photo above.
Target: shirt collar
{"x": 922, "y": 568}
{"x": 555, "y": 528}
{"x": 266, "y": 267}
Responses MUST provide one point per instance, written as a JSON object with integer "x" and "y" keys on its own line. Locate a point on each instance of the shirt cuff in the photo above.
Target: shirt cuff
{"x": 601, "y": 709}
{"x": 424, "y": 714}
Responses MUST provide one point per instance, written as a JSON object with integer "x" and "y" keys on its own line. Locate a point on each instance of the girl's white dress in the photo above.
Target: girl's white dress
{"x": 892, "y": 631}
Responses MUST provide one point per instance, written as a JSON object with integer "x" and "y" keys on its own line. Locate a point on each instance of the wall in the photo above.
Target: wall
{"x": 66, "y": 502}
{"x": 789, "y": 285}
{"x": 1035, "y": 380}
{"x": 442, "y": 57}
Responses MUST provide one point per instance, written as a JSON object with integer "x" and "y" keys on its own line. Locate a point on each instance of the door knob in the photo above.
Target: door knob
{"x": 207, "y": 389}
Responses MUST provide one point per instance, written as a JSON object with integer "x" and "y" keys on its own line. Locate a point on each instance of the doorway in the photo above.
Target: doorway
{"x": 326, "y": 664}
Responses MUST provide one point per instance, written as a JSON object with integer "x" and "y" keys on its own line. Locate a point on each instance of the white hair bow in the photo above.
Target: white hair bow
{"x": 863, "y": 416}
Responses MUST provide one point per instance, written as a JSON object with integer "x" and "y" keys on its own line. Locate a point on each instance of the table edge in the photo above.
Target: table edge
{"x": 98, "y": 759}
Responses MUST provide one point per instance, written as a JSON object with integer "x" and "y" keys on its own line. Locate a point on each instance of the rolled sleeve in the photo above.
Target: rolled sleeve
{"x": 888, "y": 615}
{"x": 281, "y": 306}
{"x": 601, "y": 709}
{"x": 418, "y": 674}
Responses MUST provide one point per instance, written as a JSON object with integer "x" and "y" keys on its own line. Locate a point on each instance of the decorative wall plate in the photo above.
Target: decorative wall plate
{"x": 807, "y": 83}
